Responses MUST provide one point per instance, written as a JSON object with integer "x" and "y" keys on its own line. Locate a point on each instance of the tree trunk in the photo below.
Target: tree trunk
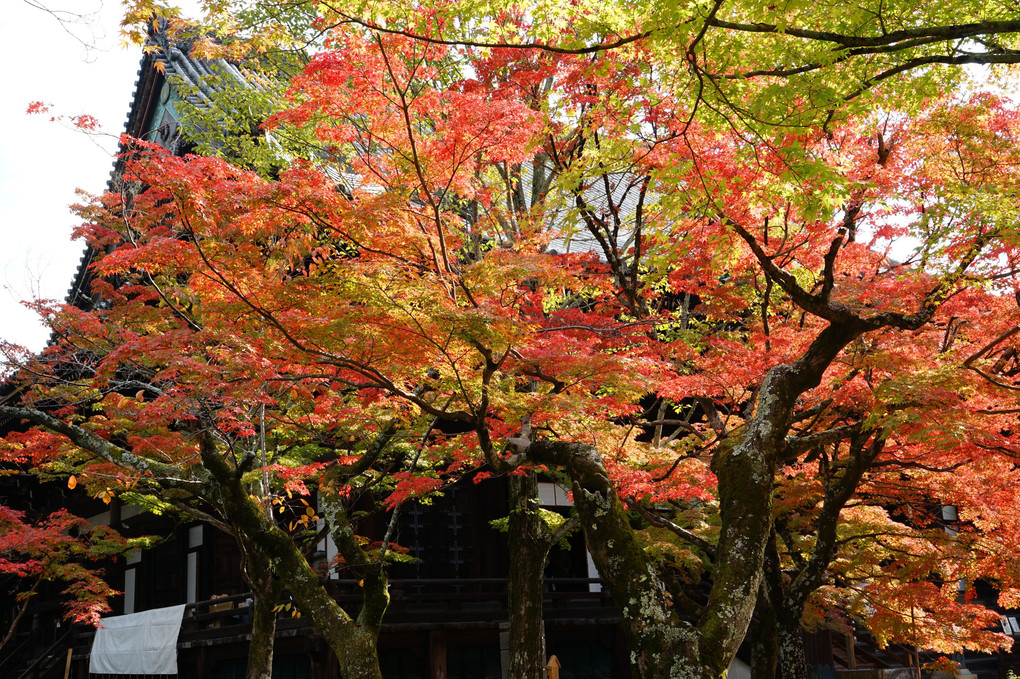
{"x": 763, "y": 638}
{"x": 764, "y": 651}
{"x": 529, "y": 546}
{"x": 792, "y": 661}
{"x": 745, "y": 471}
{"x": 263, "y": 632}
{"x": 662, "y": 646}
{"x": 353, "y": 642}
{"x": 266, "y": 590}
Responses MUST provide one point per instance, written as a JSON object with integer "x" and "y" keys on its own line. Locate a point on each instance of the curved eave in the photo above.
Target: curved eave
{"x": 161, "y": 62}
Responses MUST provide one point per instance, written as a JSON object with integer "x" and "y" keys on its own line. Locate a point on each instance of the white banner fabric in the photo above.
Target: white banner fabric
{"x": 139, "y": 643}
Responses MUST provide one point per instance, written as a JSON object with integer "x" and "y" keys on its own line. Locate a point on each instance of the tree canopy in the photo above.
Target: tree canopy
{"x": 744, "y": 275}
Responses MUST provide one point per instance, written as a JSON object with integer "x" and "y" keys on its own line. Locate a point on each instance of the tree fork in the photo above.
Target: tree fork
{"x": 745, "y": 471}
{"x": 354, "y": 645}
{"x": 662, "y": 645}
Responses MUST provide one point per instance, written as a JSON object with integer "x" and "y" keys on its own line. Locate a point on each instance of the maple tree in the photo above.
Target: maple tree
{"x": 762, "y": 64}
{"x": 814, "y": 395}
{"x": 61, "y": 548}
{"x": 857, "y": 441}
{"x": 164, "y": 416}
{"x": 897, "y": 462}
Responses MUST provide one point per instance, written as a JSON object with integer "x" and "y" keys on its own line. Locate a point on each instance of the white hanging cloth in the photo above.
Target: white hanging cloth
{"x": 138, "y": 643}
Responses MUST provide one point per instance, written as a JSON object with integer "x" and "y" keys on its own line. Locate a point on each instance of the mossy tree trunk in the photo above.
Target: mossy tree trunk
{"x": 266, "y": 591}
{"x": 792, "y": 659}
{"x": 785, "y": 596}
{"x": 762, "y": 633}
{"x": 529, "y": 546}
{"x": 530, "y": 538}
{"x": 764, "y": 649}
{"x": 662, "y": 645}
{"x": 777, "y": 642}
{"x": 354, "y": 641}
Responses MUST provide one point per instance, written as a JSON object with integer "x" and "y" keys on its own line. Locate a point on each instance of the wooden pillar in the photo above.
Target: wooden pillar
{"x": 437, "y": 654}
{"x": 332, "y": 664}
{"x": 200, "y": 662}
{"x": 329, "y": 668}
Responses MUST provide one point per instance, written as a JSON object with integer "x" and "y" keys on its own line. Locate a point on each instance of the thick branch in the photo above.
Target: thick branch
{"x": 796, "y": 445}
{"x": 837, "y": 492}
{"x": 167, "y": 475}
{"x": 984, "y": 351}
{"x": 370, "y": 572}
{"x": 952, "y": 32}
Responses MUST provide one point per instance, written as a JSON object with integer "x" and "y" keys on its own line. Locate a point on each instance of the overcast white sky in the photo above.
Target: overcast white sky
{"x": 42, "y": 163}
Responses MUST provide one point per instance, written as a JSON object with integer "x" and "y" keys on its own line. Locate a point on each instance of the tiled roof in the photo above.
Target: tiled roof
{"x": 168, "y": 62}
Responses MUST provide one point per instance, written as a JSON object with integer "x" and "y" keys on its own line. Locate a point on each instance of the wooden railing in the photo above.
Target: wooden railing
{"x": 14, "y": 654}
{"x": 859, "y": 651}
{"x": 482, "y": 600}
{"x": 50, "y": 661}
{"x": 413, "y": 604}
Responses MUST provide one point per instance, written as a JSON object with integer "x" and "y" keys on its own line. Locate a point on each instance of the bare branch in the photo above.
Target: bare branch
{"x": 660, "y": 521}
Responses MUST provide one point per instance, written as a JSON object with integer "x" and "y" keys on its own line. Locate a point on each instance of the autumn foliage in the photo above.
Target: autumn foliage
{"x": 764, "y": 355}
{"x": 63, "y": 549}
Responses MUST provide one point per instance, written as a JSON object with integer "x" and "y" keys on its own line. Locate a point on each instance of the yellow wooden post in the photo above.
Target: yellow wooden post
{"x": 552, "y": 668}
